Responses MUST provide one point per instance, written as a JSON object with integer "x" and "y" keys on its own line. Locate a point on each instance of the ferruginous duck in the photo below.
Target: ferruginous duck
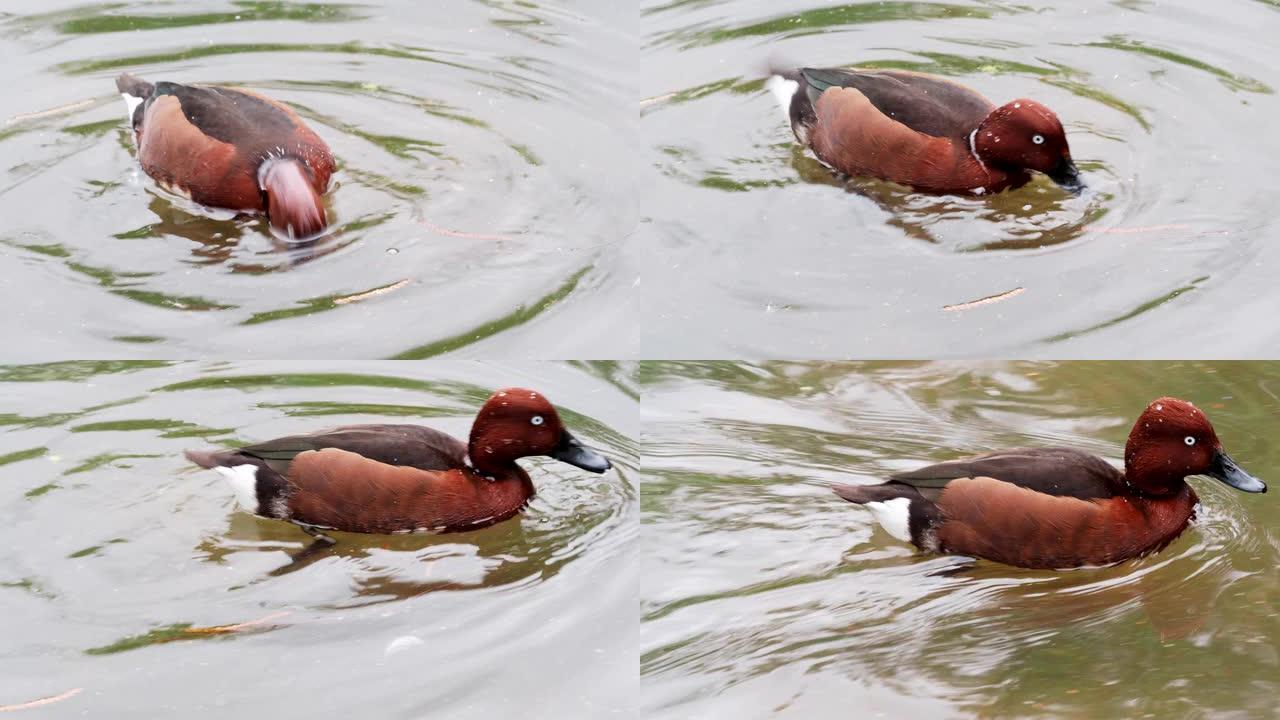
{"x": 1058, "y": 507}
{"x": 923, "y": 131}
{"x": 402, "y": 478}
{"x": 231, "y": 148}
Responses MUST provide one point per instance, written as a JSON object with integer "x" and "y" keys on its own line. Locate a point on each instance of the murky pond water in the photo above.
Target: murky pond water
{"x": 474, "y": 207}
{"x": 762, "y": 252}
{"x": 764, "y": 595}
{"x": 117, "y": 556}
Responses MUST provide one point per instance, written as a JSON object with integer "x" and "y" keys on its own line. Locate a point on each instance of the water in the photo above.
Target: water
{"x": 763, "y": 253}
{"x": 764, "y": 595}
{"x": 474, "y": 209}
{"x": 113, "y": 545}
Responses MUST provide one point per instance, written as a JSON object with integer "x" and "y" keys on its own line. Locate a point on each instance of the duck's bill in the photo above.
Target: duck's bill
{"x": 575, "y": 453}
{"x": 1226, "y": 470}
{"x": 1067, "y": 175}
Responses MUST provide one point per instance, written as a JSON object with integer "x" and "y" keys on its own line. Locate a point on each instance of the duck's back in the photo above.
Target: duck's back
{"x": 925, "y": 103}
{"x": 209, "y": 142}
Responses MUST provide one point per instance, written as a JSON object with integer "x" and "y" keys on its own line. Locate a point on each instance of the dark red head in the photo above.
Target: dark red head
{"x": 1173, "y": 439}
{"x": 1025, "y": 135}
{"x": 516, "y": 423}
{"x": 294, "y": 206}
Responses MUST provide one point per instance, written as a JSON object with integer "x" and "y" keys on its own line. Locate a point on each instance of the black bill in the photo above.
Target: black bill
{"x": 1226, "y": 470}
{"x": 575, "y": 453}
{"x": 1067, "y": 175}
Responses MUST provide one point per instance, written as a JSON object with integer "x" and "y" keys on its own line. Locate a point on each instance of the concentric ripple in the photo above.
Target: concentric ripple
{"x": 1165, "y": 112}
{"x": 125, "y": 567}
{"x": 463, "y": 213}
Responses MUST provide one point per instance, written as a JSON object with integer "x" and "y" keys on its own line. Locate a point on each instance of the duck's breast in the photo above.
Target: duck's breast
{"x": 346, "y": 491}
{"x": 988, "y": 518}
{"x": 853, "y": 136}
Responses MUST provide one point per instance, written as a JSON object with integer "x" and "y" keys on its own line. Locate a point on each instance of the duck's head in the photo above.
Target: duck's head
{"x": 294, "y": 206}
{"x": 1025, "y": 135}
{"x": 518, "y": 422}
{"x": 1173, "y": 439}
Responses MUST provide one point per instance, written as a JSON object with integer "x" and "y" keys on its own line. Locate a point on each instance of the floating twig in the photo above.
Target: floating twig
{"x": 1136, "y": 230}
{"x": 986, "y": 300}
{"x": 457, "y": 233}
{"x": 69, "y": 107}
{"x": 656, "y": 99}
{"x": 347, "y": 299}
{"x": 237, "y": 627}
{"x": 42, "y": 701}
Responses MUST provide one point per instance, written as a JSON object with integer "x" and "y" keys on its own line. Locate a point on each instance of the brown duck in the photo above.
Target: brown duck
{"x": 1059, "y": 507}
{"x": 231, "y": 148}
{"x": 923, "y": 131}
{"x": 403, "y": 478}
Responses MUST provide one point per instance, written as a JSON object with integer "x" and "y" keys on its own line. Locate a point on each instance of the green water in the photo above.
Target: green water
{"x": 764, "y": 595}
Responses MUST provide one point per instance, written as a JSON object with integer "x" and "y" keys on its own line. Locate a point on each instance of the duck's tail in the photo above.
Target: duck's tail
{"x": 890, "y": 503}
{"x": 135, "y": 91}
{"x": 293, "y": 204}
{"x": 208, "y": 459}
{"x": 789, "y": 86}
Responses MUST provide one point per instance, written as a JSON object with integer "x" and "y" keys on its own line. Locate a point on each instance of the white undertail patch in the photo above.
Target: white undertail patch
{"x": 894, "y": 516}
{"x": 244, "y": 482}
{"x": 131, "y": 103}
{"x": 784, "y": 90}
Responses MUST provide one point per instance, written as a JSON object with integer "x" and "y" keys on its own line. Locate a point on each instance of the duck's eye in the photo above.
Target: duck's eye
{"x": 1037, "y": 139}
{"x": 536, "y": 420}
{"x": 1189, "y": 440}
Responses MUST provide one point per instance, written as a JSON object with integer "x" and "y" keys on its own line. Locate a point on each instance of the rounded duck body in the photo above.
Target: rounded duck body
{"x": 391, "y": 479}
{"x": 231, "y": 148}
{"x": 1059, "y": 508}
{"x": 923, "y": 131}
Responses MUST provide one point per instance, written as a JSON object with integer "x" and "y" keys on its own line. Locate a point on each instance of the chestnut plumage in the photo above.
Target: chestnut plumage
{"x": 403, "y": 478}
{"x": 926, "y": 132}
{"x": 231, "y": 148}
{"x": 1060, "y": 507}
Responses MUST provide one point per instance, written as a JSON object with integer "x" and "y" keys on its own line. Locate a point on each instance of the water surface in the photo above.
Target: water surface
{"x": 473, "y": 209}
{"x": 121, "y": 563}
{"x": 762, "y": 252}
{"x": 765, "y": 595}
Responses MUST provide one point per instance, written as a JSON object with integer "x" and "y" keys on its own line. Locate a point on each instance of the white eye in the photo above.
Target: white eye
{"x": 536, "y": 420}
{"x": 1037, "y": 139}
{"x": 1189, "y": 440}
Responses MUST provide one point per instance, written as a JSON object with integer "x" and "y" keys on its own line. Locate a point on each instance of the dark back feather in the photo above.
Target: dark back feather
{"x": 927, "y": 104}
{"x": 403, "y": 445}
{"x": 1057, "y": 471}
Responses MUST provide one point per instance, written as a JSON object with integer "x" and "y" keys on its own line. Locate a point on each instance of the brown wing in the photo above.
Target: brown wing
{"x": 305, "y": 142}
{"x": 412, "y": 445}
{"x": 342, "y": 490}
{"x": 988, "y": 518}
{"x": 854, "y": 137}
{"x": 183, "y": 158}
{"x": 1052, "y": 470}
{"x": 927, "y": 103}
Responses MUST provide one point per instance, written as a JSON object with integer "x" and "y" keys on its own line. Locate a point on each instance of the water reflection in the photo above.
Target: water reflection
{"x": 153, "y": 555}
{"x": 766, "y": 593}
{"x": 421, "y": 112}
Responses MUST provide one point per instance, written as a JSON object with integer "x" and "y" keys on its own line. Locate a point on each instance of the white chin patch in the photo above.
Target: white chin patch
{"x": 894, "y": 516}
{"x": 244, "y": 483}
{"x": 131, "y": 103}
{"x": 782, "y": 89}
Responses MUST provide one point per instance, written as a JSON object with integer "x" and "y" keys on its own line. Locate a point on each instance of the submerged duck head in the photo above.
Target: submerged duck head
{"x": 1025, "y": 135}
{"x": 518, "y": 422}
{"x": 1173, "y": 439}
